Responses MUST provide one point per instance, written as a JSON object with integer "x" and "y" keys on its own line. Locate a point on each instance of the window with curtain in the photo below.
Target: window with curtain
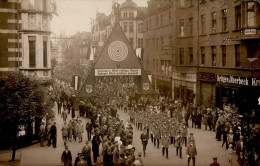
{"x": 32, "y": 51}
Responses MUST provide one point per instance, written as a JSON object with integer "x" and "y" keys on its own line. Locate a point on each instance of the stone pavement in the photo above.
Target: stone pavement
{"x": 207, "y": 147}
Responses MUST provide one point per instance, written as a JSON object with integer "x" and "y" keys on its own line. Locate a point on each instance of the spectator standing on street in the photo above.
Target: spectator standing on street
{"x": 80, "y": 130}
{"x": 95, "y": 146}
{"x": 191, "y": 152}
{"x": 42, "y": 134}
{"x": 66, "y": 157}
{"x": 54, "y": 135}
{"x": 215, "y": 162}
{"x": 86, "y": 150}
{"x": 82, "y": 162}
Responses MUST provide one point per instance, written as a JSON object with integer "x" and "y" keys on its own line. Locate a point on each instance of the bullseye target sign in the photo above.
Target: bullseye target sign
{"x": 117, "y": 51}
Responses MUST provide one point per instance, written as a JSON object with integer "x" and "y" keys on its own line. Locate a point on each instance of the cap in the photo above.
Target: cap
{"x": 191, "y": 133}
{"x": 139, "y": 154}
{"x": 215, "y": 158}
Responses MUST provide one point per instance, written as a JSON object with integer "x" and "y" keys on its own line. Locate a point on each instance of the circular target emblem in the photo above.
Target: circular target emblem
{"x": 117, "y": 51}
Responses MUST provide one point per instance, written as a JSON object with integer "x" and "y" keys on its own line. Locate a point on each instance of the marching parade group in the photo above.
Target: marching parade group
{"x": 163, "y": 123}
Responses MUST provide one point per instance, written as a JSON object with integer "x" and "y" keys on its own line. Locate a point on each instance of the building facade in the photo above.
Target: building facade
{"x": 26, "y": 30}
{"x": 130, "y": 17}
{"x": 159, "y": 47}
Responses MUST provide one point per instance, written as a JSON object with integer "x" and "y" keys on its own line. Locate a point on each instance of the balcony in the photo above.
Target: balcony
{"x": 250, "y": 33}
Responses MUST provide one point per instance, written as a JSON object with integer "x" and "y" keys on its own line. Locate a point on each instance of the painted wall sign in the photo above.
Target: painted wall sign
{"x": 117, "y": 72}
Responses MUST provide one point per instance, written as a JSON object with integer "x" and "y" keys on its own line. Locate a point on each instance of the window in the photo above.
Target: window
{"x": 140, "y": 43}
{"x": 191, "y": 55}
{"x": 44, "y": 5}
{"x": 213, "y": 22}
{"x": 45, "y": 52}
{"x": 125, "y": 14}
{"x": 238, "y": 16}
{"x": 202, "y": 19}
{"x": 224, "y": 55}
{"x": 32, "y": 52}
{"x": 31, "y": 4}
{"x": 125, "y": 26}
{"x": 140, "y": 28}
{"x": 162, "y": 43}
{"x": 182, "y": 3}
{"x": 161, "y": 21}
{"x": 224, "y": 20}
{"x": 251, "y": 18}
{"x": 146, "y": 25}
{"x": 131, "y": 41}
{"x": 181, "y": 53}
{"x": 131, "y": 29}
{"x": 131, "y": 14}
{"x": 157, "y": 43}
{"x": 181, "y": 30}
{"x": 163, "y": 65}
{"x": 202, "y": 52}
{"x": 157, "y": 21}
{"x": 237, "y": 55}
{"x": 190, "y": 26}
{"x": 147, "y": 43}
{"x": 170, "y": 17}
{"x": 214, "y": 55}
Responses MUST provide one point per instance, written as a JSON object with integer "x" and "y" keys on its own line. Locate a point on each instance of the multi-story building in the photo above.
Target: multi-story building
{"x": 131, "y": 21}
{"x": 214, "y": 49}
{"x": 158, "y": 40}
{"x": 25, "y": 30}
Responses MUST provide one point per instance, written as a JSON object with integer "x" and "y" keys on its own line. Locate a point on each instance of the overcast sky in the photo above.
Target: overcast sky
{"x": 74, "y": 15}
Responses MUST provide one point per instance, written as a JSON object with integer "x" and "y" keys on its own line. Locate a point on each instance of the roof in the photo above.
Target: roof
{"x": 128, "y": 4}
{"x": 141, "y": 11}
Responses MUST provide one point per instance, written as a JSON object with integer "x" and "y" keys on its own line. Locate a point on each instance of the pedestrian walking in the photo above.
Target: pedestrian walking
{"x": 66, "y": 157}
{"x": 230, "y": 154}
{"x": 42, "y": 134}
{"x": 157, "y": 135}
{"x": 191, "y": 152}
{"x": 70, "y": 131}
{"x": 184, "y": 134}
{"x": 178, "y": 144}
{"x": 54, "y": 135}
{"x": 144, "y": 138}
{"x": 225, "y": 135}
{"x": 89, "y": 130}
{"x": 64, "y": 114}
{"x": 86, "y": 150}
{"x": 64, "y": 130}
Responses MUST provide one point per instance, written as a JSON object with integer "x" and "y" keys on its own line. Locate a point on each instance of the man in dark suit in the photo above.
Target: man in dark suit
{"x": 95, "y": 145}
{"x": 53, "y": 131}
{"x": 66, "y": 157}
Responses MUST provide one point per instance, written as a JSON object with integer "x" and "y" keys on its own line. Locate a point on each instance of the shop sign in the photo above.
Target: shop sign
{"x": 185, "y": 77}
{"x": 250, "y": 31}
{"x": 206, "y": 76}
{"x": 237, "y": 80}
{"x": 117, "y": 72}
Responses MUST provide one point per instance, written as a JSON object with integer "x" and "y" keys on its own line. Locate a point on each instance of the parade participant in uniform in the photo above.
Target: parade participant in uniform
{"x": 225, "y": 135}
{"x": 42, "y": 134}
{"x": 157, "y": 135}
{"x": 215, "y": 162}
{"x": 86, "y": 151}
{"x": 178, "y": 144}
{"x": 172, "y": 133}
{"x": 66, "y": 157}
{"x": 144, "y": 138}
{"x": 165, "y": 144}
{"x": 191, "y": 152}
{"x": 54, "y": 135}
{"x": 64, "y": 130}
{"x": 184, "y": 134}
{"x": 152, "y": 131}
{"x": 191, "y": 138}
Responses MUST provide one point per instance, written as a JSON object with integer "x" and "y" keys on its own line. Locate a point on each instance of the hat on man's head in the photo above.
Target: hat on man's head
{"x": 191, "y": 133}
{"x": 215, "y": 158}
{"x": 139, "y": 154}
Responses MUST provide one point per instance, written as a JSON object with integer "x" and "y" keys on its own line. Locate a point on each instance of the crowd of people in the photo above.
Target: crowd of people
{"x": 162, "y": 121}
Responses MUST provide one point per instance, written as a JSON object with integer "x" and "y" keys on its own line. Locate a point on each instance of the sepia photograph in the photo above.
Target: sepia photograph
{"x": 129, "y": 82}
